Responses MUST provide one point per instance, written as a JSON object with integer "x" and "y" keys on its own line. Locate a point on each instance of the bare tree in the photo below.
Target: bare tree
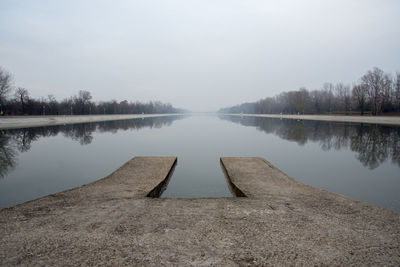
{"x": 343, "y": 97}
{"x": 22, "y": 96}
{"x": 52, "y": 105}
{"x": 339, "y": 96}
{"x": 82, "y": 100}
{"x": 86, "y": 96}
{"x": 302, "y": 99}
{"x": 360, "y": 95}
{"x": 51, "y": 98}
{"x": 397, "y": 91}
{"x": 5, "y": 85}
{"x": 387, "y": 93}
{"x": 347, "y": 99}
{"x": 327, "y": 94}
{"x": 317, "y": 101}
{"x": 374, "y": 81}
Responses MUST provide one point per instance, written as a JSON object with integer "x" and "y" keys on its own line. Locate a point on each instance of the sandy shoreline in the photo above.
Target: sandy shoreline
{"x": 337, "y": 118}
{"x": 13, "y": 122}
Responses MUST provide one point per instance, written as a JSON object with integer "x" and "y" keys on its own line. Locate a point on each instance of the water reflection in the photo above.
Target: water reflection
{"x": 374, "y": 144}
{"x": 15, "y": 141}
{"x": 7, "y": 155}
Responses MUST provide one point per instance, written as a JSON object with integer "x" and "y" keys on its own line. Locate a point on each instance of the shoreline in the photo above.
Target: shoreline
{"x": 385, "y": 120}
{"x": 15, "y": 122}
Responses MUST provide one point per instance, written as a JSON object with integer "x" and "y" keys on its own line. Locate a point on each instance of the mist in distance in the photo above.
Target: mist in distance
{"x": 196, "y": 55}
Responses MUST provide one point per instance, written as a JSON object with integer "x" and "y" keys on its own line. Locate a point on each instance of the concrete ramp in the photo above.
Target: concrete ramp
{"x": 280, "y": 222}
{"x": 257, "y": 178}
{"x": 137, "y": 178}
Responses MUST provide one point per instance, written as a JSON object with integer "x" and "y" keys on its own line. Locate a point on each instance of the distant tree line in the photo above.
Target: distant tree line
{"x": 17, "y": 101}
{"x": 376, "y": 92}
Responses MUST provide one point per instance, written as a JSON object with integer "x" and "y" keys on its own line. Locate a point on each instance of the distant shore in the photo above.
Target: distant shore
{"x": 13, "y": 122}
{"x": 337, "y": 118}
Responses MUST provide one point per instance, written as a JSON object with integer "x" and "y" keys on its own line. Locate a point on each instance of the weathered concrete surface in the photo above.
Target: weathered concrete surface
{"x": 12, "y": 122}
{"x": 388, "y": 120}
{"x": 281, "y": 222}
{"x": 315, "y": 225}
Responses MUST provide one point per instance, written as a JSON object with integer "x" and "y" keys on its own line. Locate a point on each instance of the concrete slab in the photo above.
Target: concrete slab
{"x": 280, "y": 222}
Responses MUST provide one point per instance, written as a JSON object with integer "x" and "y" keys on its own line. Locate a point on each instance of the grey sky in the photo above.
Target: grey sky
{"x": 200, "y": 55}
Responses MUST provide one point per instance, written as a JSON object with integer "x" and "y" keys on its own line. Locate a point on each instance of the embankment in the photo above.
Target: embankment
{"x": 13, "y": 122}
{"x": 388, "y": 120}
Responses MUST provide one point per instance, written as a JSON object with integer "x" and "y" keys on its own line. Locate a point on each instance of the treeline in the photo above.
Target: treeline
{"x": 376, "y": 92}
{"x": 17, "y": 101}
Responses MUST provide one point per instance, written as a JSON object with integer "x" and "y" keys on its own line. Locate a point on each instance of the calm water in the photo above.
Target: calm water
{"x": 359, "y": 161}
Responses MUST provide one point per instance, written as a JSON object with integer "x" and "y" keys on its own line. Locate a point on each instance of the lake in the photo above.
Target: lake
{"x": 360, "y": 161}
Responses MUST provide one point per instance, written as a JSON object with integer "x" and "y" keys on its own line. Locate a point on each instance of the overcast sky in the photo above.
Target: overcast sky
{"x": 200, "y": 55}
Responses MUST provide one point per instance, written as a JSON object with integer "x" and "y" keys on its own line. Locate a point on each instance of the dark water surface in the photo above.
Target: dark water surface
{"x": 355, "y": 160}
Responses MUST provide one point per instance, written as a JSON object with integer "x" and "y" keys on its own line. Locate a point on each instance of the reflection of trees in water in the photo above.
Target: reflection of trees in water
{"x": 374, "y": 144}
{"x": 7, "y": 155}
{"x": 20, "y": 140}
{"x": 80, "y": 132}
{"x": 156, "y": 122}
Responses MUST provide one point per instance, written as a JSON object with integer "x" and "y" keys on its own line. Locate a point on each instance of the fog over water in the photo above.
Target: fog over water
{"x": 198, "y": 55}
